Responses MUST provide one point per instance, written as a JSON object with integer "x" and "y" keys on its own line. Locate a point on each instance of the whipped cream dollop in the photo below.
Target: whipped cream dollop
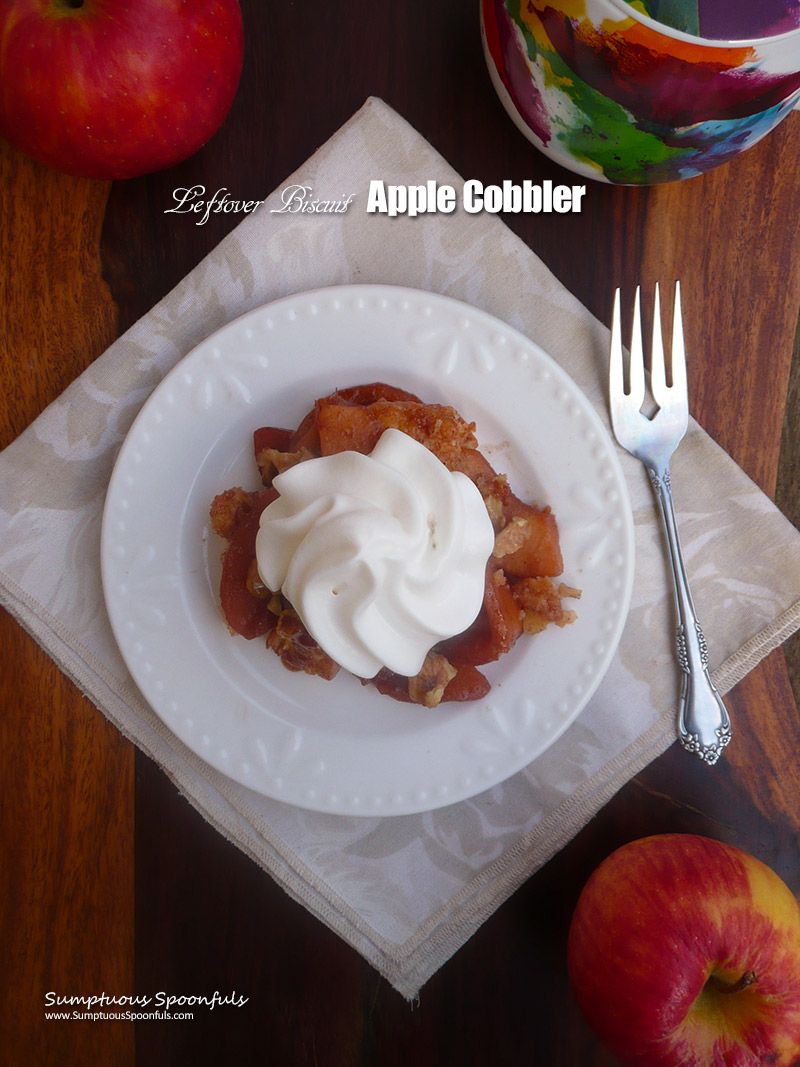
{"x": 381, "y": 556}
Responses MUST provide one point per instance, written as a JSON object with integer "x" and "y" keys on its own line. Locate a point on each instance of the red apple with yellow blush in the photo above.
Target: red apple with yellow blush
{"x": 116, "y": 88}
{"x": 685, "y": 952}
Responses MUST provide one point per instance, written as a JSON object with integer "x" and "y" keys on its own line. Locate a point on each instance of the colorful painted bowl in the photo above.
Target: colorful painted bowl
{"x": 612, "y": 94}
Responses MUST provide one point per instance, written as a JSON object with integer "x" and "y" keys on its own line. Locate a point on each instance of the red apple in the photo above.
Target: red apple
{"x": 685, "y": 952}
{"x": 116, "y": 88}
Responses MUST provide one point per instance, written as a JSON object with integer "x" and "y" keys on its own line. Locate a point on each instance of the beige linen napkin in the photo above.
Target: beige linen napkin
{"x": 405, "y": 891}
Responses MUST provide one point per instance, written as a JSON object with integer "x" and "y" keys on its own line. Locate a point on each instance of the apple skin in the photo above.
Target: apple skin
{"x": 662, "y": 933}
{"x": 116, "y": 88}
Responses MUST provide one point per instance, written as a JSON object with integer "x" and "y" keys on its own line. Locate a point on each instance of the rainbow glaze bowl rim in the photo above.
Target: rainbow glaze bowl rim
{"x": 627, "y": 11}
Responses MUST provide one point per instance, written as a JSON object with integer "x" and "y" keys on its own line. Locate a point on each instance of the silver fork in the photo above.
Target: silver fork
{"x": 703, "y": 724}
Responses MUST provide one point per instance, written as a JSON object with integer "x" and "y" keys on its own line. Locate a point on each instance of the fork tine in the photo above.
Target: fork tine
{"x": 616, "y": 381}
{"x": 658, "y": 380}
{"x": 636, "y": 373}
{"x": 678, "y": 350}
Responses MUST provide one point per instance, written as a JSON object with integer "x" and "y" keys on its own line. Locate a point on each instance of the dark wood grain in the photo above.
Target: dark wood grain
{"x": 204, "y": 916}
{"x": 787, "y": 494}
{"x": 66, "y": 817}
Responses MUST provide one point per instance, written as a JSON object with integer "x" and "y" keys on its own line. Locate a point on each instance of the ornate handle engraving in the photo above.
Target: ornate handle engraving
{"x": 704, "y": 727}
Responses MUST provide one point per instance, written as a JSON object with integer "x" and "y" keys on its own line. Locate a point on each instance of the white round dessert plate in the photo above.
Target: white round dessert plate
{"x": 340, "y": 746}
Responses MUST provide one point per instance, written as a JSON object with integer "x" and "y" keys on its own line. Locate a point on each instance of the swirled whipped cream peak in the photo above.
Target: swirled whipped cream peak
{"x": 381, "y": 555}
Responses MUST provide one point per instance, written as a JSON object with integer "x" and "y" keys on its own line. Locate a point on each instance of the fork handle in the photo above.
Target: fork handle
{"x": 703, "y": 723}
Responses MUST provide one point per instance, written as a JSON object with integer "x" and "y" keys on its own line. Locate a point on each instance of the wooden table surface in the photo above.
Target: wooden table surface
{"x": 108, "y": 879}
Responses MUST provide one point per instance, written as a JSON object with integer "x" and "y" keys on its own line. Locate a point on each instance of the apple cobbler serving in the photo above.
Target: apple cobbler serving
{"x": 383, "y": 542}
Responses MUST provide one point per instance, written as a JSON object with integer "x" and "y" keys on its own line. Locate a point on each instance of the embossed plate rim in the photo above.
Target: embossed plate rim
{"x": 339, "y": 747}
